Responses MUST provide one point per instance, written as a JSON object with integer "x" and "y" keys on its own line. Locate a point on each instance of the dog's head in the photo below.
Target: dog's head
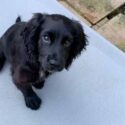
{"x": 54, "y": 40}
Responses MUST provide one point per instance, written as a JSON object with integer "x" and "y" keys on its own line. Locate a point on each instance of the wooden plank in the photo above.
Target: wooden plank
{"x": 95, "y": 10}
{"x": 74, "y": 12}
{"x": 114, "y": 31}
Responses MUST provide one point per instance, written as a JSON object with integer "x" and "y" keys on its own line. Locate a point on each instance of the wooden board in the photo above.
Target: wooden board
{"x": 95, "y": 10}
{"x": 114, "y": 31}
{"x": 75, "y": 12}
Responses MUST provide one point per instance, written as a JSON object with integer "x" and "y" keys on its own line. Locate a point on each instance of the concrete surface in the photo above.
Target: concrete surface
{"x": 92, "y": 92}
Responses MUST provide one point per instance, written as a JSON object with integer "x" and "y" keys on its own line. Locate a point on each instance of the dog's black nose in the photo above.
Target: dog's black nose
{"x": 54, "y": 63}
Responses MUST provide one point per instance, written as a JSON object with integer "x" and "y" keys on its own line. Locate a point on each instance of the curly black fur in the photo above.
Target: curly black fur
{"x": 39, "y": 47}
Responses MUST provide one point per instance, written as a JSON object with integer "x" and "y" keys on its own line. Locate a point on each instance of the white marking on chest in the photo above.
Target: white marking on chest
{"x": 42, "y": 74}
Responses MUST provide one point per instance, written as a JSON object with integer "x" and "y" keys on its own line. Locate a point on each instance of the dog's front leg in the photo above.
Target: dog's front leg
{"x": 23, "y": 77}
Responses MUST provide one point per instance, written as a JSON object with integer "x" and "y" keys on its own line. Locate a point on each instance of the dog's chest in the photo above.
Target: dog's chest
{"x": 42, "y": 75}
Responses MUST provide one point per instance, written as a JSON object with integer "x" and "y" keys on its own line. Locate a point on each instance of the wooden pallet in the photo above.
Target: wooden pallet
{"x": 95, "y": 10}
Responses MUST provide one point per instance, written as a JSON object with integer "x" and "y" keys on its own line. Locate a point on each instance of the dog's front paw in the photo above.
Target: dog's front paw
{"x": 33, "y": 102}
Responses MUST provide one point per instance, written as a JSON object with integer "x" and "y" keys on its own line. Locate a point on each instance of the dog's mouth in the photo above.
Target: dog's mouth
{"x": 54, "y": 69}
{"x": 51, "y": 68}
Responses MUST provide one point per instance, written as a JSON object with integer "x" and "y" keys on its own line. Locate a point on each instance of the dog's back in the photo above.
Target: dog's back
{"x": 9, "y": 40}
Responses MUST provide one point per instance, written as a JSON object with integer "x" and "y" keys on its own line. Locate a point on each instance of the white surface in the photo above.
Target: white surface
{"x": 92, "y": 92}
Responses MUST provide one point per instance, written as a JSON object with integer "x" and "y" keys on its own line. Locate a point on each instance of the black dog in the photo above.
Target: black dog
{"x": 39, "y": 47}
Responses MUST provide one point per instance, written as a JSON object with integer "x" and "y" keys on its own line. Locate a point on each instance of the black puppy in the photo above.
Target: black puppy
{"x": 39, "y": 47}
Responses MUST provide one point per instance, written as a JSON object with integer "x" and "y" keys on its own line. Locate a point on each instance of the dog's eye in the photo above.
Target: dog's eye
{"x": 46, "y": 39}
{"x": 67, "y": 43}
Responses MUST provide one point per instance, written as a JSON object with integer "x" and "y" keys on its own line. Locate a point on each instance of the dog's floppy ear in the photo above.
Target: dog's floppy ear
{"x": 30, "y": 35}
{"x": 79, "y": 43}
